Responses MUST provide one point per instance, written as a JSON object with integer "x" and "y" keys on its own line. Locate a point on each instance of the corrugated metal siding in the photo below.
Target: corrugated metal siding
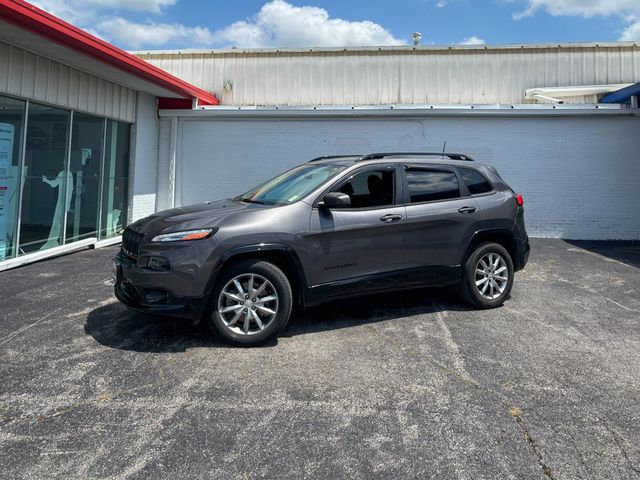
{"x": 400, "y": 76}
{"x": 28, "y": 75}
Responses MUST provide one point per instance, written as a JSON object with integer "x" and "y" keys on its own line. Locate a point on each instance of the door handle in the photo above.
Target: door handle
{"x": 466, "y": 210}
{"x": 390, "y": 218}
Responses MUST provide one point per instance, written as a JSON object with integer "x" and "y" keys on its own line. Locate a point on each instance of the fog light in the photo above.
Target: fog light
{"x": 156, "y": 296}
{"x": 158, "y": 263}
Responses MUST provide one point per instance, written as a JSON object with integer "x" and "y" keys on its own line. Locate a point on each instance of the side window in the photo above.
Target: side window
{"x": 430, "y": 185}
{"x": 373, "y": 188}
{"x": 475, "y": 181}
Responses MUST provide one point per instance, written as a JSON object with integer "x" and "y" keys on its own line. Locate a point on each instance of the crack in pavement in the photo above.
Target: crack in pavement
{"x": 517, "y": 415}
{"x": 27, "y": 327}
{"x": 514, "y": 412}
{"x": 103, "y": 397}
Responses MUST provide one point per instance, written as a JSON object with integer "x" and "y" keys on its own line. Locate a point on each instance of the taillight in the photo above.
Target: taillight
{"x": 519, "y": 199}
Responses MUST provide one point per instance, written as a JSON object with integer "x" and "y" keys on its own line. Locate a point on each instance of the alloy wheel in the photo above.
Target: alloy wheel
{"x": 492, "y": 275}
{"x": 247, "y": 304}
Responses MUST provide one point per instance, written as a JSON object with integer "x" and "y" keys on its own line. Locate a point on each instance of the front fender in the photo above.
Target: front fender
{"x": 296, "y": 267}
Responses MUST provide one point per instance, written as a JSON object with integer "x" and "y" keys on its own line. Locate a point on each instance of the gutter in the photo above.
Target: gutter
{"x": 373, "y": 111}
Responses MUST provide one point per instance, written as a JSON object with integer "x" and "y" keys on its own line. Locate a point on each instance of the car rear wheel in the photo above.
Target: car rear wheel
{"x": 251, "y": 303}
{"x": 488, "y": 276}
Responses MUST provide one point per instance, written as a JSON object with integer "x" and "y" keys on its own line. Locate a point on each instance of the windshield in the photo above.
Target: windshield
{"x": 292, "y": 185}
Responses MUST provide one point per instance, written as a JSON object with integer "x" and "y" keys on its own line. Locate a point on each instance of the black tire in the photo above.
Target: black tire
{"x": 468, "y": 289}
{"x": 280, "y": 284}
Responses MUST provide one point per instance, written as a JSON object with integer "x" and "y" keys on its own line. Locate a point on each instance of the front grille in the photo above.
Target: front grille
{"x": 131, "y": 240}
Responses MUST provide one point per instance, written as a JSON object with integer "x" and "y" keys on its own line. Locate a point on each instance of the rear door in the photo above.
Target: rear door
{"x": 441, "y": 216}
{"x": 365, "y": 239}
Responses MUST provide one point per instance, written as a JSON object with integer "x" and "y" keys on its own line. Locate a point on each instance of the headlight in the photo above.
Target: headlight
{"x": 183, "y": 236}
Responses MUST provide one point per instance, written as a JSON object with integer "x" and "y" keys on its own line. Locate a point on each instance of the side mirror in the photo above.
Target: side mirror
{"x": 336, "y": 200}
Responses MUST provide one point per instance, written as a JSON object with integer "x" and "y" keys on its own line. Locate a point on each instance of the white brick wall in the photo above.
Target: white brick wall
{"x": 144, "y": 158}
{"x": 579, "y": 174}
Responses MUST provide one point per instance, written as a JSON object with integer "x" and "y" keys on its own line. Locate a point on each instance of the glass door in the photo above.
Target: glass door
{"x": 87, "y": 146}
{"x": 115, "y": 179}
{"x": 48, "y": 185}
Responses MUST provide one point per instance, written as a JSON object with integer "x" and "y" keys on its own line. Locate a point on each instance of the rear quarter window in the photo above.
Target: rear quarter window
{"x": 475, "y": 182}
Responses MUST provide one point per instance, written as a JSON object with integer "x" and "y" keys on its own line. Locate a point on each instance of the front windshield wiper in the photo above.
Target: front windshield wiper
{"x": 250, "y": 200}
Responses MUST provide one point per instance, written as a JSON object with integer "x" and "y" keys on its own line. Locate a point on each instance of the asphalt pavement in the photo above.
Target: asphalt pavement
{"x": 406, "y": 385}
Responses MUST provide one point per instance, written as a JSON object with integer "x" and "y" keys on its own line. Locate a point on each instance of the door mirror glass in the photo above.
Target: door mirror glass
{"x": 336, "y": 200}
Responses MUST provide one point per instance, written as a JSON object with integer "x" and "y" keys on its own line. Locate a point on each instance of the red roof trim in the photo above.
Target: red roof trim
{"x": 42, "y": 23}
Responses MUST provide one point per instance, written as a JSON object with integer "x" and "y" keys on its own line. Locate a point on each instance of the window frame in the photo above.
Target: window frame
{"x": 398, "y": 186}
{"x": 464, "y": 193}
{"x": 491, "y": 192}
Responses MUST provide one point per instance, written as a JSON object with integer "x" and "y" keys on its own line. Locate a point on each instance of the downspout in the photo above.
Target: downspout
{"x": 173, "y": 143}
{"x": 557, "y": 94}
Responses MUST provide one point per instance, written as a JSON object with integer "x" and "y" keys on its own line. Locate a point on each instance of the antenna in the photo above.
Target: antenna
{"x": 444, "y": 148}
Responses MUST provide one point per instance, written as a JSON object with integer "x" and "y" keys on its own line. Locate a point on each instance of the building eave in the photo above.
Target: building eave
{"x": 50, "y": 27}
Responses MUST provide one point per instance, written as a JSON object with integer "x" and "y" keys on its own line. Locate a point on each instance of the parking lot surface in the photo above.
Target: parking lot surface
{"x": 406, "y": 385}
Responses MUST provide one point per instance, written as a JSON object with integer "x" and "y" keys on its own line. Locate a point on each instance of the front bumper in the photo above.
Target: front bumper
{"x": 135, "y": 287}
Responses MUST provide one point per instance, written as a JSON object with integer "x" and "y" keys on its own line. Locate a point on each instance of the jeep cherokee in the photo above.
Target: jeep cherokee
{"x": 333, "y": 227}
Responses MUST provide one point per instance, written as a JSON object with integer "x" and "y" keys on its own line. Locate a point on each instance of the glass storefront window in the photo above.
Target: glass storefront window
{"x": 48, "y": 184}
{"x": 115, "y": 179}
{"x": 70, "y": 182}
{"x": 11, "y": 132}
{"x": 87, "y": 145}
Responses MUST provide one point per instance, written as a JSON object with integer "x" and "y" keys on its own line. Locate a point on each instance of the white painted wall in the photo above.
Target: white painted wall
{"x": 579, "y": 174}
{"x": 144, "y": 158}
{"x": 163, "y": 181}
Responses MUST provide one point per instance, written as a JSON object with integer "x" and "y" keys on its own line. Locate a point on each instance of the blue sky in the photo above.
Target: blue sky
{"x": 178, "y": 24}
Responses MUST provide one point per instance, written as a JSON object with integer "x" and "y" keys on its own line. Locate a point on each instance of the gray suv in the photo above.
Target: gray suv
{"x": 332, "y": 227}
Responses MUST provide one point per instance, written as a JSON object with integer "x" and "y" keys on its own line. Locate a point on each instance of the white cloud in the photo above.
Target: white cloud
{"x": 150, "y": 34}
{"x": 78, "y": 11}
{"x": 628, "y": 10}
{"x": 631, "y": 33}
{"x": 441, "y": 3}
{"x": 584, "y": 8}
{"x": 473, "y": 40}
{"x": 276, "y": 24}
{"x": 281, "y": 24}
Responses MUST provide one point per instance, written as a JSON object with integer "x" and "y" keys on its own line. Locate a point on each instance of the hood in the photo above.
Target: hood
{"x": 201, "y": 215}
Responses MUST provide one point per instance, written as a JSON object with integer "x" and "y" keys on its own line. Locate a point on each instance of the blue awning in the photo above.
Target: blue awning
{"x": 623, "y": 95}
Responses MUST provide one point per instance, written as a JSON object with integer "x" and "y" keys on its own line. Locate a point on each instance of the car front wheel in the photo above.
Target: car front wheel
{"x": 488, "y": 276}
{"x": 251, "y": 303}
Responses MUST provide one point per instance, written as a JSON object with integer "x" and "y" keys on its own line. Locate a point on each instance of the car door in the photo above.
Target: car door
{"x": 441, "y": 216}
{"x": 364, "y": 239}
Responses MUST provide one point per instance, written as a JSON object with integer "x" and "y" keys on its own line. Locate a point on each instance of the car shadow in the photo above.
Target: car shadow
{"x": 627, "y": 252}
{"x": 351, "y": 312}
{"x": 117, "y": 327}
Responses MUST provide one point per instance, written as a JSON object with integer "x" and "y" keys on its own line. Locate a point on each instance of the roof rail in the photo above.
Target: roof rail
{"x": 330, "y": 157}
{"x": 451, "y": 156}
